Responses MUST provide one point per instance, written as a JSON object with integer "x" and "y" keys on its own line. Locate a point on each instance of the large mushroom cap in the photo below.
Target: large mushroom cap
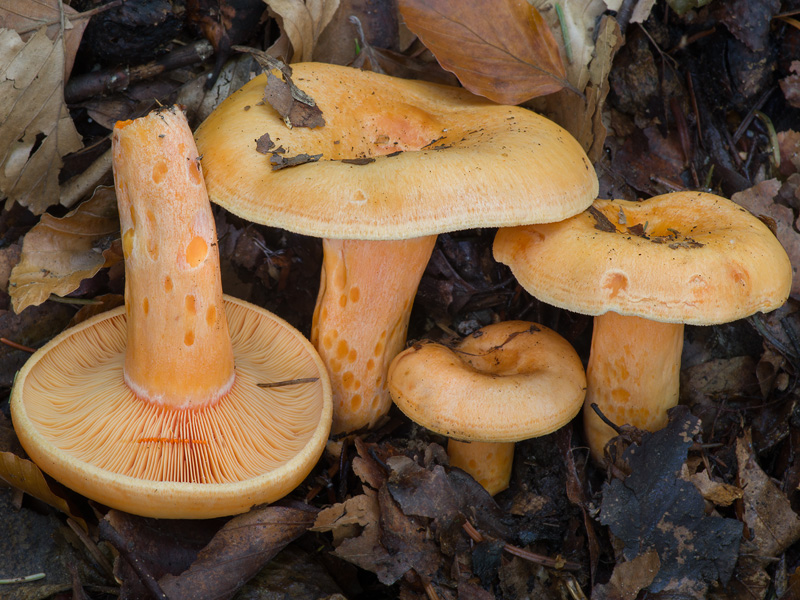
{"x": 80, "y": 423}
{"x": 434, "y": 159}
{"x": 688, "y": 257}
{"x": 507, "y": 382}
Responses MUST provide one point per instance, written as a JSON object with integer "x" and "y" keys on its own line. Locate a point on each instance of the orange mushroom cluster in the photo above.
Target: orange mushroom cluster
{"x": 395, "y": 160}
{"x": 644, "y": 269}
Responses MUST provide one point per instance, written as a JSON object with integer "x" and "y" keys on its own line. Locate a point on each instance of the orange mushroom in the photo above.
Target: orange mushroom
{"x": 644, "y": 269}
{"x": 505, "y": 383}
{"x": 155, "y": 408}
{"x": 398, "y": 162}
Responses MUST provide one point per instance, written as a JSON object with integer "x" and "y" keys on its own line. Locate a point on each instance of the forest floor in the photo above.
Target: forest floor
{"x": 665, "y": 97}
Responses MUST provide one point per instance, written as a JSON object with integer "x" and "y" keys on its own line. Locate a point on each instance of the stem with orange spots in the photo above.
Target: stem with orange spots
{"x": 489, "y": 463}
{"x": 633, "y": 375}
{"x": 361, "y": 318}
{"x": 179, "y": 351}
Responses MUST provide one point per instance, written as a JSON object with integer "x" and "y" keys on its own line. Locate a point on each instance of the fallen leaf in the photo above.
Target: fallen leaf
{"x": 24, "y": 475}
{"x": 764, "y": 506}
{"x": 238, "y": 552}
{"x": 29, "y": 15}
{"x": 718, "y": 493}
{"x": 281, "y": 161}
{"x": 38, "y": 542}
{"x": 789, "y": 144}
{"x": 57, "y": 254}
{"x": 297, "y": 108}
{"x": 654, "y": 509}
{"x": 760, "y": 200}
{"x": 509, "y": 58}
{"x": 771, "y": 523}
{"x": 749, "y": 21}
{"x": 790, "y": 85}
{"x": 36, "y": 130}
{"x": 593, "y": 38}
{"x": 303, "y": 21}
{"x": 629, "y": 578}
{"x": 293, "y": 574}
{"x": 159, "y": 546}
{"x": 9, "y": 257}
{"x": 356, "y": 528}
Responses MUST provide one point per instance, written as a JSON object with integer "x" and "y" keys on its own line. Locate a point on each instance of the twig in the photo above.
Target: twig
{"x": 553, "y": 563}
{"x": 80, "y": 185}
{"x": 17, "y": 346}
{"x": 25, "y": 579}
{"x": 605, "y": 419}
{"x": 121, "y": 544}
{"x": 91, "y": 547}
{"x": 745, "y": 124}
{"x": 86, "y": 86}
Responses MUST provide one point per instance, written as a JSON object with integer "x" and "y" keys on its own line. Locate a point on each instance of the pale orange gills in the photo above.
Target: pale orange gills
{"x": 155, "y": 408}
{"x": 394, "y": 160}
{"x": 644, "y": 269}
{"x": 507, "y": 382}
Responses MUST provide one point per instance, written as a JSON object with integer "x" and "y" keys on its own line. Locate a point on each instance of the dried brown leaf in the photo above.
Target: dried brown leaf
{"x": 790, "y": 85}
{"x": 238, "y": 551}
{"x": 23, "y": 474}
{"x": 303, "y": 21}
{"x": 629, "y": 578}
{"x": 29, "y": 15}
{"x": 760, "y": 200}
{"x": 508, "y": 58}
{"x": 57, "y": 254}
{"x": 36, "y": 130}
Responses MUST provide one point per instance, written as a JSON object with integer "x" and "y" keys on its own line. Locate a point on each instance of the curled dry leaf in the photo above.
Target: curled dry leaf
{"x": 36, "y": 130}
{"x": 29, "y": 15}
{"x": 508, "y": 58}
{"x": 303, "y": 21}
{"x": 57, "y": 254}
{"x": 238, "y": 552}
{"x": 761, "y": 201}
{"x": 23, "y": 474}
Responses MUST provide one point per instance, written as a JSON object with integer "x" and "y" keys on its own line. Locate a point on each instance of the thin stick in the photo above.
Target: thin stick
{"x": 275, "y": 384}
{"x": 553, "y": 563}
{"x": 68, "y": 300}
{"x": 17, "y": 346}
{"x": 25, "y": 579}
{"x": 121, "y": 544}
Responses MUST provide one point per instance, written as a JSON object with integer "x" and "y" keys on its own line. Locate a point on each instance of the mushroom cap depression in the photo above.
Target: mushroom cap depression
{"x": 507, "y": 382}
{"x": 81, "y": 424}
{"x": 687, "y": 257}
{"x": 430, "y": 158}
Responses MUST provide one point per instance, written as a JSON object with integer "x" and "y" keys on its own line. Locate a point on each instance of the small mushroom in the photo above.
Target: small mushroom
{"x": 504, "y": 383}
{"x": 399, "y": 162}
{"x": 155, "y": 408}
{"x": 644, "y": 269}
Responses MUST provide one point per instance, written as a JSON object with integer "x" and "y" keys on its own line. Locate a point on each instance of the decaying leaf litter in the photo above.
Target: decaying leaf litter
{"x": 673, "y": 96}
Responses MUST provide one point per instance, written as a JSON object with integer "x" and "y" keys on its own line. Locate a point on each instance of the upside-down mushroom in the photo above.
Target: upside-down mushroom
{"x": 396, "y": 162}
{"x": 644, "y": 269}
{"x": 155, "y": 408}
{"x": 505, "y": 383}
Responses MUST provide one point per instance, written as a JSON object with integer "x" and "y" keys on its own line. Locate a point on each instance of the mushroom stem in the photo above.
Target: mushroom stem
{"x": 489, "y": 463}
{"x": 361, "y": 318}
{"x": 179, "y": 351}
{"x": 633, "y": 375}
